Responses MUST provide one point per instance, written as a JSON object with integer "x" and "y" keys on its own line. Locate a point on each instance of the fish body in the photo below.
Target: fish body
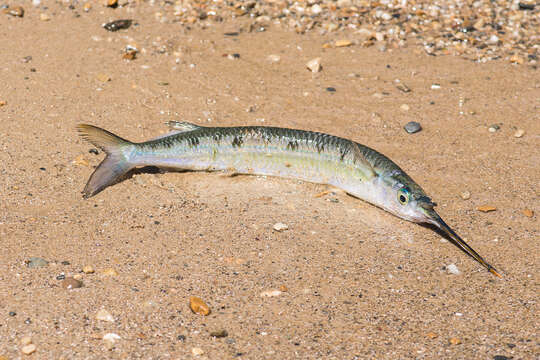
{"x": 288, "y": 153}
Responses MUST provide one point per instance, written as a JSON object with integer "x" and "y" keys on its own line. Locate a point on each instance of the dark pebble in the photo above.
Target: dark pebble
{"x": 118, "y": 25}
{"x": 42, "y": 169}
{"x": 12, "y": 313}
{"x": 71, "y": 283}
{"x": 232, "y": 33}
{"x": 219, "y": 333}
{"x": 61, "y": 277}
{"x": 524, "y": 6}
{"x": 33, "y": 70}
{"x": 181, "y": 338}
{"x": 94, "y": 151}
{"x": 511, "y": 346}
{"x": 412, "y": 127}
{"x": 28, "y": 321}
{"x": 501, "y": 357}
{"x": 65, "y": 262}
{"x": 236, "y": 55}
{"x": 331, "y": 89}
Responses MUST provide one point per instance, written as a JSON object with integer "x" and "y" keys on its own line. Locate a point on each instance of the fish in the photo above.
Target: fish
{"x": 310, "y": 156}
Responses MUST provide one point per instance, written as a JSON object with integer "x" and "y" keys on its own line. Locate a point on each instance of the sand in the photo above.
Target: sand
{"x": 355, "y": 281}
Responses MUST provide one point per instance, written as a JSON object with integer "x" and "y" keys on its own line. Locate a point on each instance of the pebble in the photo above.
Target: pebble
{"x": 87, "y": 6}
{"x": 342, "y": 43}
{"x": 273, "y": 58}
{"x": 3, "y": 103}
{"x": 110, "y": 272}
{"x": 331, "y": 89}
{"x": 528, "y": 213}
{"x": 44, "y": 17}
{"x": 88, "y": 269}
{"x": 486, "y": 208}
{"x": 28, "y": 349}
{"x": 412, "y": 127}
{"x": 432, "y": 335}
{"x": 519, "y": 133}
{"x": 198, "y": 306}
{"x": 283, "y": 288}
{"x": 112, "y": 3}
{"x": 36, "y": 262}
{"x": 104, "y": 315}
{"x": 219, "y": 333}
{"x": 435, "y": 86}
{"x": 118, "y": 25}
{"x": 405, "y": 107}
{"x": 26, "y": 340}
{"x": 71, "y": 283}
{"x": 16, "y": 11}
{"x": 197, "y": 351}
{"x": 501, "y": 357}
{"x": 271, "y": 293}
{"x": 280, "y": 226}
{"x": 103, "y": 78}
{"x": 455, "y": 341}
{"x": 403, "y": 88}
{"x": 453, "y": 269}
{"x": 314, "y": 65}
{"x": 465, "y": 195}
{"x": 81, "y": 161}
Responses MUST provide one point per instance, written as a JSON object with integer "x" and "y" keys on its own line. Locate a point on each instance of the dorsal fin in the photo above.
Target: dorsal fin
{"x": 182, "y": 126}
{"x": 366, "y": 168}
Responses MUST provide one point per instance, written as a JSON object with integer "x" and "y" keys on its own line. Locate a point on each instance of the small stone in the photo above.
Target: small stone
{"x": 36, "y": 262}
{"x": 77, "y": 277}
{"x": 103, "y": 78}
{"x": 412, "y": 127}
{"x": 26, "y": 340}
{"x": 110, "y": 272}
{"x": 453, "y": 269}
{"x": 501, "y": 357}
{"x": 519, "y": 133}
{"x": 44, "y": 17}
{"x": 331, "y": 89}
{"x": 104, "y": 315}
{"x": 273, "y": 58}
{"x": 234, "y": 56}
{"x": 432, "y": 335}
{"x": 516, "y": 59}
{"x": 486, "y": 208}
{"x": 88, "y": 269}
{"x": 280, "y": 226}
{"x": 198, "y": 306}
{"x": 314, "y": 65}
{"x": 405, "y": 107}
{"x": 342, "y": 43}
{"x": 465, "y": 195}
{"x": 528, "y": 213}
{"x": 493, "y": 128}
{"x": 81, "y": 161}
{"x": 403, "y": 88}
{"x": 112, "y": 3}
{"x": 28, "y": 349}
{"x": 129, "y": 55}
{"x": 3, "y": 103}
{"x": 12, "y": 313}
{"x": 112, "y": 337}
{"x": 16, "y": 11}
{"x": 87, "y": 6}
{"x": 197, "y": 351}
{"x": 435, "y": 86}
{"x": 70, "y": 283}
{"x": 455, "y": 341}
{"x": 118, "y": 25}
{"x": 270, "y": 293}
{"x": 283, "y": 288}
{"x": 219, "y": 333}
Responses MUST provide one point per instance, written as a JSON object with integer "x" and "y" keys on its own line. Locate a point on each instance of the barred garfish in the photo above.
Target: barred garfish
{"x": 297, "y": 154}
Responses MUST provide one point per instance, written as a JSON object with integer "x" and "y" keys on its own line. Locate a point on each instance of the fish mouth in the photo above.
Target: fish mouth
{"x": 435, "y": 219}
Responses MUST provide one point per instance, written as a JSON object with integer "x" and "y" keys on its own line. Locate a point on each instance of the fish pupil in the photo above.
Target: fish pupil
{"x": 402, "y": 198}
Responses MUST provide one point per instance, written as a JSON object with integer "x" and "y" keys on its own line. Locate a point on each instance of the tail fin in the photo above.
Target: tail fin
{"x": 115, "y": 164}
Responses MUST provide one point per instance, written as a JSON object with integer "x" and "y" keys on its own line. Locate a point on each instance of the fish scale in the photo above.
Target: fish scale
{"x": 288, "y": 153}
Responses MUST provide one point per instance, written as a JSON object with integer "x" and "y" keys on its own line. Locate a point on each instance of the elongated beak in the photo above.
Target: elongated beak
{"x": 435, "y": 219}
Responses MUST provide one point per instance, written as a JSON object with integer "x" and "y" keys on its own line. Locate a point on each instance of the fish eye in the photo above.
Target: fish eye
{"x": 403, "y": 195}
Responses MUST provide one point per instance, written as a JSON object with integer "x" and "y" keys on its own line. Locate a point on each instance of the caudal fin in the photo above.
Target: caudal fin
{"x": 115, "y": 164}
